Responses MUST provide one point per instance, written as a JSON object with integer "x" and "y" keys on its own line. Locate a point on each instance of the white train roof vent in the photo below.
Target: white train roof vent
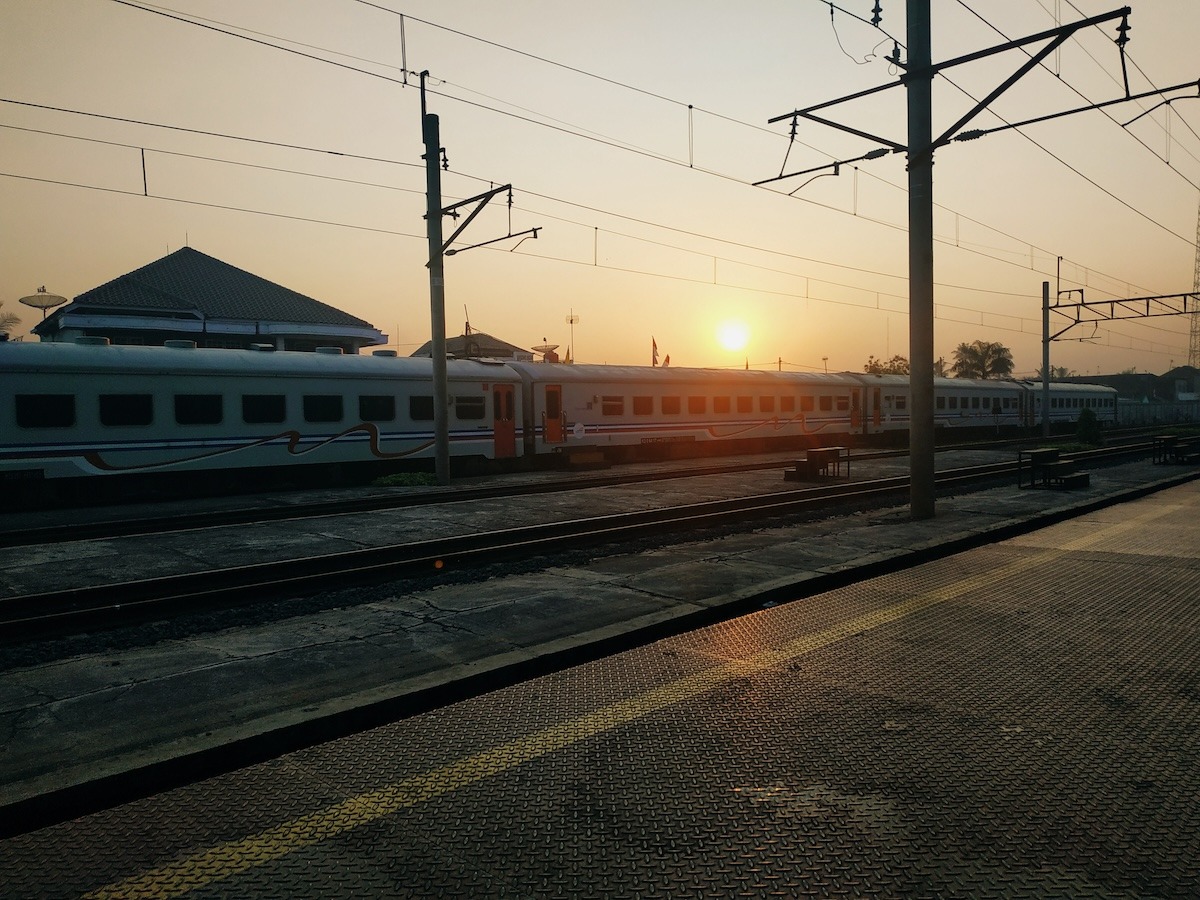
{"x": 330, "y": 351}
{"x": 263, "y": 348}
{"x": 391, "y": 353}
{"x": 180, "y": 344}
{"x": 91, "y": 340}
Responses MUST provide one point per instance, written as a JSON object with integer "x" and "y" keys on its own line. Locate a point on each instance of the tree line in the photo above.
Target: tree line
{"x": 978, "y": 359}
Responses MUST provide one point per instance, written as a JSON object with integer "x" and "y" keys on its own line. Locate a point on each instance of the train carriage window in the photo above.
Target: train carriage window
{"x": 697, "y": 406}
{"x": 322, "y": 407}
{"x": 721, "y": 404}
{"x": 843, "y": 403}
{"x": 672, "y": 406}
{"x": 45, "y": 410}
{"x": 377, "y": 407}
{"x": 787, "y": 404}
{"x": 939, "y": 402}
{"x": 470, "y": 408}
{"x": 612, "y": 405}
{"x": 953, "y": 402}
{"x": 745, "y": 404}
{"x": 807, "y": 403}
{"x": 420, "y": 409}
{"x": 643, "y": 406}
{"x": 901, "y": 402}
{"x": 199, "y": 409}
{"x": 261, "y": 409}
{"x": 826, "y": 402}
{"x": 766, "y": 404}
{"x": 126, "y": 409}
{"x": 974, "y": 403}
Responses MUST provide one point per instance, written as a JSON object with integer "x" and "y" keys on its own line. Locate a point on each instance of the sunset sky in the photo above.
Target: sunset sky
{"x": 284, "y": 137}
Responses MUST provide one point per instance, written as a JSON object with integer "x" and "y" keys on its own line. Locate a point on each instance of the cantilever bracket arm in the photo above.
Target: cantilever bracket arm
{"x": 481, "y": 200}
{"x": 1054, "y": 37}
{"x": 527, "y": 231}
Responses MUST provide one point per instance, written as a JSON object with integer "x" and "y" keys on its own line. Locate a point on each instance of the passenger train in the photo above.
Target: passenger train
{"x": 88, "y": 410}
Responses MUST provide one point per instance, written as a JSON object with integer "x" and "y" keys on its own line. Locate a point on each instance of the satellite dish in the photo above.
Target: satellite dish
{"x": 43, "y": 301}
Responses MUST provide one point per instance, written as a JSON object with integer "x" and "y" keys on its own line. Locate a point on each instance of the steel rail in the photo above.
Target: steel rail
{"x": 132, "y": 525}
{"x": 66, "y": 611}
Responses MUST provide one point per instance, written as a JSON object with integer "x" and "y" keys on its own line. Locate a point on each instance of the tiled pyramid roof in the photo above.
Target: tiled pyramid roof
{"x": 188, "y": 280}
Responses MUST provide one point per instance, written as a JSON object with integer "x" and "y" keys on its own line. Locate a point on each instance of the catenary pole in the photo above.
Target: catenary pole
{"x": 1045, "y": 359}
{"x": 430, "y": 132}
{"x": 919, "y": 83}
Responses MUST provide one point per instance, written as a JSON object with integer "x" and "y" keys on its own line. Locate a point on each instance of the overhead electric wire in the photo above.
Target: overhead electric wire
{"x": 605, "y": 141}
{"x": 614, "y": 144}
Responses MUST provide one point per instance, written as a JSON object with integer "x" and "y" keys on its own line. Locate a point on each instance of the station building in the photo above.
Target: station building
{"x": 188, "y": 295}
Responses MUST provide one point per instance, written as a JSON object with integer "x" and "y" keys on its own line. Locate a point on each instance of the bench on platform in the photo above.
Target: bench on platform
{"x": 820, "y": 464}
{"x": 1047, "y": 470}
{"x": 1064, "y": 474}
{"x": 1034, "y": 460}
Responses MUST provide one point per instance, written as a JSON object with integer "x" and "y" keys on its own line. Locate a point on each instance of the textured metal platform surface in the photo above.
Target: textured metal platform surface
{"x": 1020, "y": 720}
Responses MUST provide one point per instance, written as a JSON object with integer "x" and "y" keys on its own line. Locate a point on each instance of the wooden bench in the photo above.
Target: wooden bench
{"x": 1164, "y": 447}
{"x": 820, "y": 464}
{"x": 1035, "y": 460}
{"x": 1186, "y": 450}
{"x": 1064, "y": 474}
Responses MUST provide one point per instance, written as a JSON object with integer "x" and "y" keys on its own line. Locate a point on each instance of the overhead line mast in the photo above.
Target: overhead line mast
{"x": 917, "y": 76}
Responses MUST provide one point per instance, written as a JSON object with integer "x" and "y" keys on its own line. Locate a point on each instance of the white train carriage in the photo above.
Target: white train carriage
{"x": 616, "y": 409}
{"x": 69, "y": 410}
{"x": 1067, "y": 402}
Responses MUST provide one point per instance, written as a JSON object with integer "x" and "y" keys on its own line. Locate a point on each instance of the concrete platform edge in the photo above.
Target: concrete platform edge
{"x": 185, "y": 762}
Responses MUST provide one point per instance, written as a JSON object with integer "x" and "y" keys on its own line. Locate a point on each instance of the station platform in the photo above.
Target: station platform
{"x": 1019, "y": 719}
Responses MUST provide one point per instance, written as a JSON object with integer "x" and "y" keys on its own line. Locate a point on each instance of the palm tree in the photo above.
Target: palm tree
{"x": 981, "y": 359}
{"x": 8, "y": 321}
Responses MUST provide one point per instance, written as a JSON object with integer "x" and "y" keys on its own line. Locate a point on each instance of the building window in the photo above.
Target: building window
{"x": 123, "y": 410}
{"x": 45, "y": 410}
{"x": 198, "y": 409}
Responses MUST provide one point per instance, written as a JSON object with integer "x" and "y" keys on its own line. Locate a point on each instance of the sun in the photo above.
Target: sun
{"x": 733, "y": 334}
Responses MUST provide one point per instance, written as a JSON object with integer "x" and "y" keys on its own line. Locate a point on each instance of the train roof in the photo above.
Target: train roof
{"x": 592, "y": 373}
{"x": 91, "y": 358}
{"x": 1067, "y": 387}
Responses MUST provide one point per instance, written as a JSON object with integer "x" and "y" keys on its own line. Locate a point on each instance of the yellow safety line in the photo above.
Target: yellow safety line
{"x": 217, "y": 863}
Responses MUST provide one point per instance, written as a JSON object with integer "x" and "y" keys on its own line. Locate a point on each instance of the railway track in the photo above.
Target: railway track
{"x": 128, "y": 525}
{"x": 69, "y": 611}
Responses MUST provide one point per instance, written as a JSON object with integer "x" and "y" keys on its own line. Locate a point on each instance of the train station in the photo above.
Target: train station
{"x": 997, "y": 702}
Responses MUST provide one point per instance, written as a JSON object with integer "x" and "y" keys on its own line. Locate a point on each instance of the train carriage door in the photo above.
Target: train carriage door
{"x": 857, "y": 419}
{"x": 552, "y": 415}
{"x": 504, "y": 425}
{"x": 876, "y": 407}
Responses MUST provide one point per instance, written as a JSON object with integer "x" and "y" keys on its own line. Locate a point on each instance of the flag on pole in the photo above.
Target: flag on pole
{"x": 666, "y": 360}
{"x": 568, "y": 359}
{"x": 653, "y": 351}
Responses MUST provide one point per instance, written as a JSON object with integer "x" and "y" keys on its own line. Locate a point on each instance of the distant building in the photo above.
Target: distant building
{"x": 188, "y": 295}
{"x": 477, "y": 344}
{"x": 1181, "y": 383}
